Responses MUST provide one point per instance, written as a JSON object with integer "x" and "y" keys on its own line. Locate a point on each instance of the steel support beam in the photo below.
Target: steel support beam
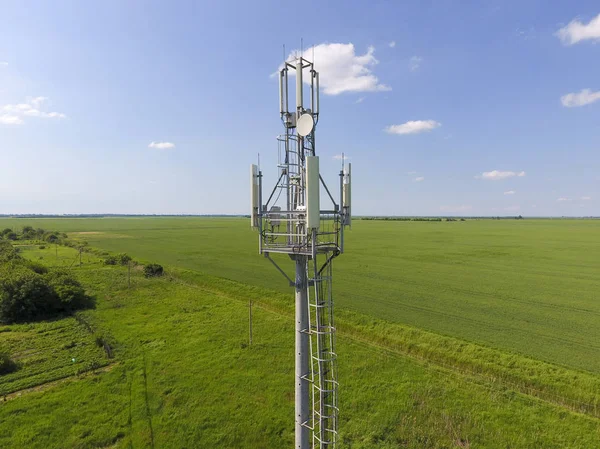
{"x": 302, "y": 355}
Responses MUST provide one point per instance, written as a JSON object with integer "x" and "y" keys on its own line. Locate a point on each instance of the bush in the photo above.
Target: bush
{"x": 6, "y": 231}
{"x": 42, "y": 247}
{"x": 25, "y": 296}
{"x": 7, "y": 252}
{"x": 110, "y": 260}
{"x": 10, "y": 236}
{"x": 51, "y": 238}
{"x": 37, "y": 267}
{"x": 123, "y": 259}
{"x": 71, "y": 295}
{"x": 28, "y": 233}
{"x": 153, "y": 269}
{"x": 6, "y": 364}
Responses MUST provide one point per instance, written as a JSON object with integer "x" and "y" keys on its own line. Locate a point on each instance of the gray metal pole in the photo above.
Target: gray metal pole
{"x": 250, "y": 322}
{"x": 302, "y": 355}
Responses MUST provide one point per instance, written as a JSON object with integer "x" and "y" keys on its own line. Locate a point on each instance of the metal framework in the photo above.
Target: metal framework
{"x": 291, "y": 221}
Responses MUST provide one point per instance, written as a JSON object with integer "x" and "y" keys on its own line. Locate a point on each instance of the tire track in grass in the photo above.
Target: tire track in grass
{"x": 47, "y": 385}
{"x": 148, "y": 415}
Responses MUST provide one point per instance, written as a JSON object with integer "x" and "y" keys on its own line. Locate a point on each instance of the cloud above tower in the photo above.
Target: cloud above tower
{"x": 341, "y": 69}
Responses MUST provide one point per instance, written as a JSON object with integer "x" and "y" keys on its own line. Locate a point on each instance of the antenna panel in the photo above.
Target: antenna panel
{"x": 347, "y": 195}
{"x": 254, "y": 196}
{"x": 313, "y": 197}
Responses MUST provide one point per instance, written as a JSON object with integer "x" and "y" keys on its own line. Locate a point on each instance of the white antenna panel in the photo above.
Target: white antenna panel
{"x": 313, "y": 197}
{"x": 254, "y": 196}
{"x": 347, "y": 195}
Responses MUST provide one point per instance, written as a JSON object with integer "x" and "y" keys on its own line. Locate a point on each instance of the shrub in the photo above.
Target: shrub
{"x": 6, "y": 364}
{"x": 37, "y": 267}
{"x": 42, "y": 247}
{"x": 10, "y": 236}
{"x": 110, "y": 260}
{"x": 71, "y": 295}
{"x": 6, "y": 231}
{"x": 7, "y": 252}
{"x": 123, "y": 259}
{"x": 25, "y": 296}
{"x": 51, "y": 237}
{"x": 152, "y": 270}
{"x": 28, "y": 233}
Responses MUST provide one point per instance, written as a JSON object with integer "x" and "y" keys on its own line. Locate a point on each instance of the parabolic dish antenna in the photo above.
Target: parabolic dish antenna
{"x": 305, "y": 125}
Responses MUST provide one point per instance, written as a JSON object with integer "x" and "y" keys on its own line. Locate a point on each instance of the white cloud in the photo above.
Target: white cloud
{"x": 161, "y": 145}
{"x": 496, "y": 175}
{"x": 419, "y": 179}
{"x": 3, "y": 64}
{"x": 563, "y": 199}
{"x": 411, "y": 173}
{"x": 7, "y": 119}
{"x": 415, "y": 63}
{"x": 586, "y": 198}
{"x": 392, "y": 44}
{"x": 360, "y": 100}
{"x": 32, "y": 108}
{"x": 510, "y": 192}
{"x": 577, "y": 31}
{"x": 341, "y": 69}
{"x": 586, "y": 96}
{"x": 413, "y": 127}
{"x": 512, "y": 208}
{"x": 461, "y": 208}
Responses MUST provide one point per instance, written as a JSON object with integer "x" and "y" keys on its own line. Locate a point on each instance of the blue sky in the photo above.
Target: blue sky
{"x": 443, "y": 107}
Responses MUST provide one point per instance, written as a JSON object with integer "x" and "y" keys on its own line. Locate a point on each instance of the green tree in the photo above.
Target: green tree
{"x": 51, "y": 237}
{"x": 28, "y": 233}
{"x": 69, "y": 291}
{"x": 7, "y": 252}
{"x": 25, "y": 296}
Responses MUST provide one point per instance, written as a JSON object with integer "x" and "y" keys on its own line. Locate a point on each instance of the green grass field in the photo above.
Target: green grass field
{"x": 184, "y": 377}
{"x": 531, "y": 286}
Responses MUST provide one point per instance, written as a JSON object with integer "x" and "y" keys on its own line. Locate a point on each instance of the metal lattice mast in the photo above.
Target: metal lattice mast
{"x": 312, "y": 237}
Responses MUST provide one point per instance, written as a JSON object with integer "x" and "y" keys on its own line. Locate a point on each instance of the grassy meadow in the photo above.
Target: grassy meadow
{"x": 184, "y": 376}
{"x": 527, "y": 286}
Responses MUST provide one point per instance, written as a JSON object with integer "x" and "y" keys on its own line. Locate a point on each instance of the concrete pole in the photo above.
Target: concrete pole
{"x": 302, "y": 355}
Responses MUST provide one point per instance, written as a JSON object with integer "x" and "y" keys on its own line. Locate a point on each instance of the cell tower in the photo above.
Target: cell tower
{"x": 312, "y": 237}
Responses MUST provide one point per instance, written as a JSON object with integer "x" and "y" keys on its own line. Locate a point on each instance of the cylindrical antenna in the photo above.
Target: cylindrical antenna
{"x": 287, "y": 105}
{"x": 312, "y": 90}
{"x": 299, "y": 86}
{"x": 316, "y": 111}
{"x": 281, "y": 92}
